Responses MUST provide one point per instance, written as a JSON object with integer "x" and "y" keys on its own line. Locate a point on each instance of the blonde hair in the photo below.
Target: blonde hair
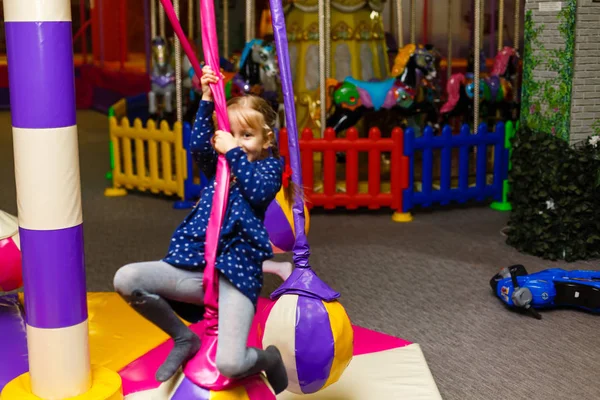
{"x": 257, "y": 113}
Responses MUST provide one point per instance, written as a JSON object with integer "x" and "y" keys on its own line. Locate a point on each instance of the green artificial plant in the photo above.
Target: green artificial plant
{"x": 555, "y": 187}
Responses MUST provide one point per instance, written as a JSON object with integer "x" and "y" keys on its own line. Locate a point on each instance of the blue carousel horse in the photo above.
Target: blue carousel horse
{"x": 409, "y": 91}
{"x": 162, "y": 77}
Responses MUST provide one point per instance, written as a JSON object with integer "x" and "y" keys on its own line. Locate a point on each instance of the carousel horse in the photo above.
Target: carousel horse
{"x": 258, "y": 74}
{"x": 408, "y": 92}
{"x": 258, "y": 66}
{"x": 496, "y": 92}
{"x": 162, "y": 77}
{"x": 500, "y": 85}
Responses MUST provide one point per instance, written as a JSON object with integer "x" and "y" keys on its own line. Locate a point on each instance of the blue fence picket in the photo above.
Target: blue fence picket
{"x": 481, "y": 163}
{"x": 446, "y": 172}
{"x": 463, "y": 164}
{"x": 409, "y": 152}
{"x": 446, "y": 142}
{"x": 426, "y": 144}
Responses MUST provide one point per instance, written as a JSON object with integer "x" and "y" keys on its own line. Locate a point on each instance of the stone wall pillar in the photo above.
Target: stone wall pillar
{"x": 585, "y": 103}
{"x": 581, "y": 69}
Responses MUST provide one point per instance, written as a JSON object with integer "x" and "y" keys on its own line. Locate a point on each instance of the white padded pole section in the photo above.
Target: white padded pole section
{"x": 66, "y": 349}
{"x": 37, "y": 10}
{"x": 47, "y": 177}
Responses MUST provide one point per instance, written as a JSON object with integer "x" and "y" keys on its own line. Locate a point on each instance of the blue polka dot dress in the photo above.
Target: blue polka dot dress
{"x": 244, "y": 242}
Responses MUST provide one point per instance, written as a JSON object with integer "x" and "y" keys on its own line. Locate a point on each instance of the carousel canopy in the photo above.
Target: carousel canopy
{"x": 340, "y": 5}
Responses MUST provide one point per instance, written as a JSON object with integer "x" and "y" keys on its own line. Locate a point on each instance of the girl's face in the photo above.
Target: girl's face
{"x": 252, "y": 141}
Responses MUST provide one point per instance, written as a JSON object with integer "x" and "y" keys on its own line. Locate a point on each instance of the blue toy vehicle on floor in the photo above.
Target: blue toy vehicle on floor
{"x": 550, "y": 288}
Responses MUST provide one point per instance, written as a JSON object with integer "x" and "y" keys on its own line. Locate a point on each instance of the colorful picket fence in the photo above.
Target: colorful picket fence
{"x": 351, "y": 197}
{"x": 157, "y": 159}
{"x": 147, "y": 158}
{"x": 443, "y": 193}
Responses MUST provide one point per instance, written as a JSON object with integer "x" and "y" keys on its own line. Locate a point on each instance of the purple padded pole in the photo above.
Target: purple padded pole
{"x": 53, "y": 261}
{"x": 303, "y": 280}
{"x": 301, "y": 248}
{"x": 40, "y": 61}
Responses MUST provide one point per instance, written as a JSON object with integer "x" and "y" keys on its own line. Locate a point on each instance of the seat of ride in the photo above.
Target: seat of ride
{"x": 376, "y": 90}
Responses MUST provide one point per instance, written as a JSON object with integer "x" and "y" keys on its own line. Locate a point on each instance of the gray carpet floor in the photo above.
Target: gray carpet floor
{"x": 426, "y": 281}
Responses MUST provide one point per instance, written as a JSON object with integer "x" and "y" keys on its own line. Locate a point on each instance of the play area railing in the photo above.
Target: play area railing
{"x": 332, "y": 193}
{"x": 467, "y": 143}
{"x": 147, "y": 158}
{"x": 401, "y": 172}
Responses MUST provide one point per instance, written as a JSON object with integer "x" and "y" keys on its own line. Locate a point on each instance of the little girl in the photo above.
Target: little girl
{"x": 251, "y": 152}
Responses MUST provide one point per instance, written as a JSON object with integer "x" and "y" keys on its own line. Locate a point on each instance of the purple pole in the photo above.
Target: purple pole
{"x": 40, "y": 60}
{"x": 301, "y": 248}
{"x": 303, "y": 280}
{"x": 39, "y": 49}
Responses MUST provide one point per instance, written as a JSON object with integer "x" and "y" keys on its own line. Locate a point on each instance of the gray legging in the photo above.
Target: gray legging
{"x": 235, "y": 310}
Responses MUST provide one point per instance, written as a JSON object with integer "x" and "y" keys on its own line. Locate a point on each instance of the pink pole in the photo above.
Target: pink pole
{"x": 202, "y": 368}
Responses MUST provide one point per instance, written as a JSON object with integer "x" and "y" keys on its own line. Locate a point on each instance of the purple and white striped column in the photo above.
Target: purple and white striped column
{"x": 42, "y": 93}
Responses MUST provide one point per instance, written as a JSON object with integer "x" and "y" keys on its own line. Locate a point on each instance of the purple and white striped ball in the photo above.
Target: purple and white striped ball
{"x": 315, "y": 338}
